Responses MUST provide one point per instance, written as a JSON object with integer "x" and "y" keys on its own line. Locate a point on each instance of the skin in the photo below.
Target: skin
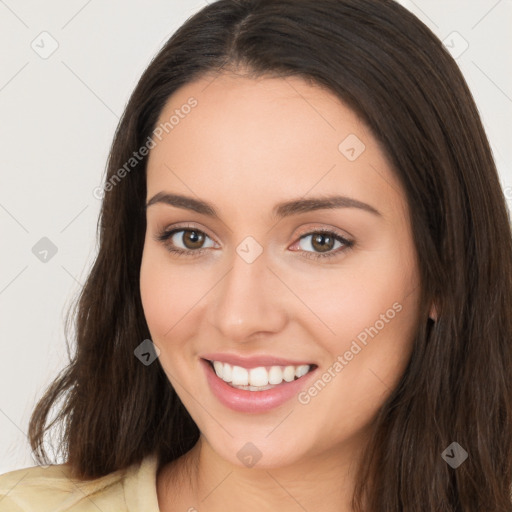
{"x": 248, "y": 145}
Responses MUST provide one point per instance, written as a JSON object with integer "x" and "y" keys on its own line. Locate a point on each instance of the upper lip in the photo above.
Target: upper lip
{"x": 253, "y": 361}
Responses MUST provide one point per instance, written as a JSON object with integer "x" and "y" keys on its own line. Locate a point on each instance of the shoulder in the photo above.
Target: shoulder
{"x": 51, "y": 488}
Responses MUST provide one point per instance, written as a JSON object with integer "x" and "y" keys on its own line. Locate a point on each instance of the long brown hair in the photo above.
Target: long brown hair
{"x": 393, "y": 72}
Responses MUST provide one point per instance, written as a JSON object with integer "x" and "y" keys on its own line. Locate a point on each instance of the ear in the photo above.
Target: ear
{"x": 433, "y": 312}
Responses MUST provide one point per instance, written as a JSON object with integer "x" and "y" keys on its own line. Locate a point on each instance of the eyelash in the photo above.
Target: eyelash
{"x": 164, "y": 236}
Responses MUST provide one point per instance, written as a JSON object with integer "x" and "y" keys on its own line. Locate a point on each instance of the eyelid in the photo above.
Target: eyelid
{"x": 308, "y": 230}
{"x": 186, "y": 227}
{"x": 348, "y": 241}
{"x": 323, "y": 228}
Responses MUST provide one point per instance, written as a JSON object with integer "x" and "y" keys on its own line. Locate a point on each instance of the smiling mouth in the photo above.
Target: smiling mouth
{"x": 260, "y": 378}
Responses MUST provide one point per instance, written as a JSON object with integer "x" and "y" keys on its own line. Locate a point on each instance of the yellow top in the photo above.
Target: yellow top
{"x": 50, "y": 489}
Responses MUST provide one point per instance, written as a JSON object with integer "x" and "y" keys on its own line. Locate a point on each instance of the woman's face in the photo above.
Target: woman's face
{"x": 270, "y": 276}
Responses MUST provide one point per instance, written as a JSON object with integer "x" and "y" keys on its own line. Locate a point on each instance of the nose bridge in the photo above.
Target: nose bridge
{"x": 247, "y": 299}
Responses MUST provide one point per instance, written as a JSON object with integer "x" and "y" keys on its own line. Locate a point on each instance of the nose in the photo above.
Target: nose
{"x": 248, "y": 301}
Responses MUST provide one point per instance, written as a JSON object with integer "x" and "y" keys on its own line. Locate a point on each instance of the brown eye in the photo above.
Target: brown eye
{"x": 182, "y": 241}
{"x": 322, "y": 242}
{"x": 192, "y": 239}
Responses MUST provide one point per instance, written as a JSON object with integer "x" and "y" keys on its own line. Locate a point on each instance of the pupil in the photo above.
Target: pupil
{"x": 194, "y": 238}
{"x": 327, "y": 242}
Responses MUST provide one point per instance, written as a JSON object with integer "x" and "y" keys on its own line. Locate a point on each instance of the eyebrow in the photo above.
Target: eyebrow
{"x": 280, "y": 210}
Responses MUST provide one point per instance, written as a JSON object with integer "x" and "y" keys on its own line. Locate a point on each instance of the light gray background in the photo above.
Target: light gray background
{"x": 58, "y": 115}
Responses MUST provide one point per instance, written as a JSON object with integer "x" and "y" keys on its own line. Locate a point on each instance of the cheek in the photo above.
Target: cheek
{"x": 371, "y": 311}
{"x": 171, "y": 297}
{"x": 375, "y": 329}
{"x": 162, "y": 294}
{"x": 354, "y": 300}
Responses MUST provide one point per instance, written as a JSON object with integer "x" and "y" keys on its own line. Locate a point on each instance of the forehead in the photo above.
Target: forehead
{"x": 267, "y": 138}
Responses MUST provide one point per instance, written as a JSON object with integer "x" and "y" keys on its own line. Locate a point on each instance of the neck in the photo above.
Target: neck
{"x": 200, "y": 480}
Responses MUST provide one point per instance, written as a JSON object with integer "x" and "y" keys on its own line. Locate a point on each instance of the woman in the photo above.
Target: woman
{"x": 302, "y": 293}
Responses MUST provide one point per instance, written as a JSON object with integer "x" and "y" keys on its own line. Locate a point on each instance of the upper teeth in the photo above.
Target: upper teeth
{"x": 260, "y": 376}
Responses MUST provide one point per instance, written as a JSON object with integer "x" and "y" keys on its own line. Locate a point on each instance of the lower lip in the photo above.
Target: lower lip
{"x": 242, "y": 400}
